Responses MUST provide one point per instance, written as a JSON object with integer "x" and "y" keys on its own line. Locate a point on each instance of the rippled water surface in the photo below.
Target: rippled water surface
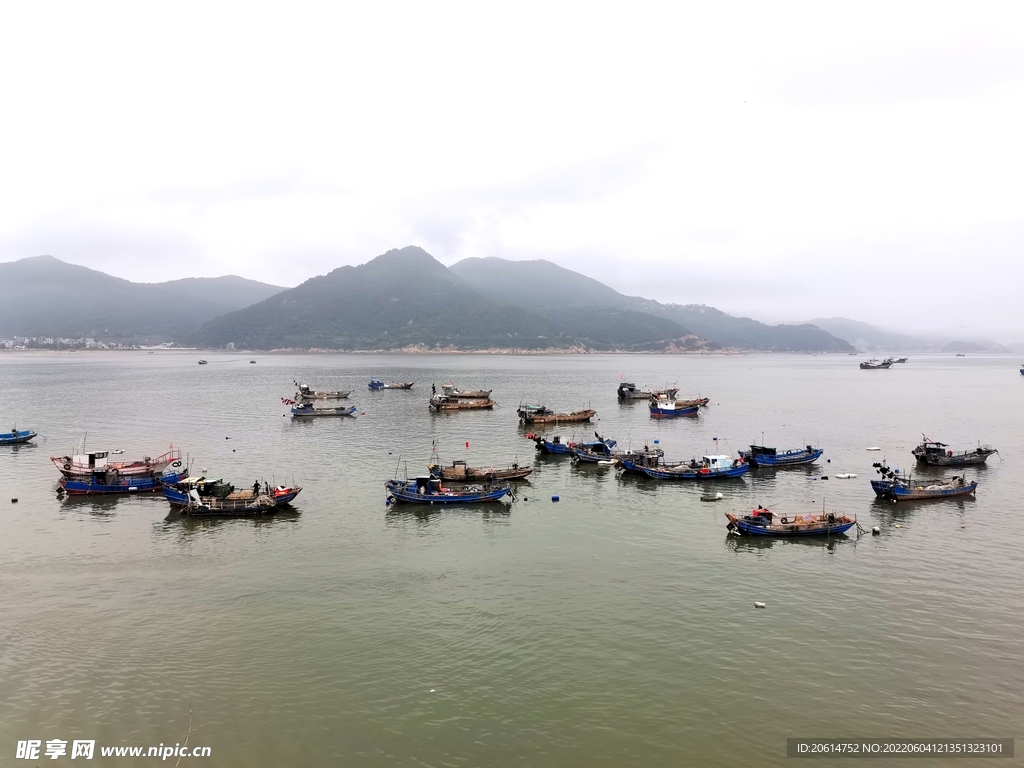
{"x": 614, "y": 627}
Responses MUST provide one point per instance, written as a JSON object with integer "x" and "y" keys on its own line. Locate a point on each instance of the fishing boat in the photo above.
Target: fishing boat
{"x": 961, "y": 354}
{"x": 16, "y": 436}
{"x": 252, "y": 362}
{"x": 202, "y": 362}
{"x": 538, "y": 414}
{"x": 552, "y": 446}
{"x": 874, "y": 364}
{"x": 429, "y": 490}
{"x": 83, "y": 464}
{"x": 709, "y": 468}
{"x": 111, "y": 481}
{"x": 636, "y": 461}
{"x": 897, "y": 486}
{"x": 453, "y": 403}
{"x": 935, "y": 454}
{"x": 762, "y": 522}
{"x": 1022, "y": 369}
{"x": 217, "y": 492}
{"x": 594, "y": 451}
{"x": 307, "y": 410}
{"x": 700, "y": 402}
{"x": 450, "y": 390}
{"x": 763, "y": 456}
{"x": 261, "y": 505}
{"x": 459, "y": 471}
{"x": 305, "y": 392}
{"x": 630, "y": 391}
{"x": 900, "y": 360}
{"x": 376, "y": 384}
{"x": 669, "y": 409}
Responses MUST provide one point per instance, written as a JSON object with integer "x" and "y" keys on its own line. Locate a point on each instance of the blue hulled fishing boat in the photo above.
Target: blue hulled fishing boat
{"x": 556, "y": 446}
{"x": 670, "y": 409}
{"x": 307, "y": 410}
{"x": 762, "y": 456}
{"x": 16, "y": 436}
{"x": 427, "y": 490}
{"x": 104, "y": 482}
{"x": 376, "y": 384}
{"x": 185, "y": 491}
{"x": 709, "y": 468}
{"x": 897, "y": 486}
{"x": 762, "y": 522}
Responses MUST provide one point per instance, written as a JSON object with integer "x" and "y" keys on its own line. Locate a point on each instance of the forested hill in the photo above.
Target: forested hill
{"x": 406, "y": 298}
{"x": 551, "y": 288}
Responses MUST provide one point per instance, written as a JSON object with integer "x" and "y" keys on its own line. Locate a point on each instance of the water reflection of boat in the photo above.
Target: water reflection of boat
{"x": 763, "y": 544}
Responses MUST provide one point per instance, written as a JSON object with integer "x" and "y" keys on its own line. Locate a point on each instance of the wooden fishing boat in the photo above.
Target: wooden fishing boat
{"x": 307, "y": 410}
{"x": 261, "y": 505}
{"x": 897, "y": 486}
{"x": 762, "y": 522}
{"x": 900, "y": 360}
{"x": 935, "y": 454}
{"x": 187, "y": 490}
{"x": 376, "y": 384}
{"x": 763, "y": 456}
{"x": 452, "y": 403}
{"x": 111, "y": 481}
{"x": 709, "y": 468}
{"x": 202, "y": 362}
{"x": 635, "y": 461}
{"x": 306, "y": 393}
{"x": 875, "y": 364}
{"x": 429, "y": 490}
{"x": 459, "y": 471}
{"x": 538, "y": 414}
{"x": 16, "y": 436}
{"x": 670, "y": 409}
{"x": 700, "y": 402}
{"x": 450, "y": 390}
{"x": 84, "y": 464}
{"x": 629, "y": 391}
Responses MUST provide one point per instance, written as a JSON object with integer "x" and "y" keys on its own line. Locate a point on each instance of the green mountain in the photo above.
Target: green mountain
{"x": 554, "y": 290}
{"x": 403, "y": 298}
{"x": 44, "y": 296}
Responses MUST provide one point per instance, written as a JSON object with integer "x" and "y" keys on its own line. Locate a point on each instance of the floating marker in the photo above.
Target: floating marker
{"x": 876, "y": 531}
{"x": 656, "y": 441}
{"x": 467, "y": 443}
{"x": 759, "y": 605}
{"x": 554, "y": 498}
{"x": 14, "y": 501}
{"x": 896, "y": 526}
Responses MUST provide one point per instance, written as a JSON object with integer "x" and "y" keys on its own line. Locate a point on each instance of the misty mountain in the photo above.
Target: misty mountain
{"x": 44, "y": 296}
{"x": 230, "y": 291}
{"x": 554, "y": 290}
{"x": 407, "y": 298}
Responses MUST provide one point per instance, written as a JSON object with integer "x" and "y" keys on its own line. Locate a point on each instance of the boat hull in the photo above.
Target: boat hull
{"x": 972, "y": 458}
{"x": 406, "y": 492}
{"x": 309, "y": 413}
{"x": 790, "y": 530}
{"x": 787, "y": 459}
{"x": 462, "y": 473}
{"x": 92, "y": 486}
{"x": 886, "y": 489}
{"x": 660, "y": 412}
{"x": 16, "y": 438}
{"x": 179, "y": 498}
{"x": 659, "y": 473}
{"x": 452, "y": 403}
{"x": 556, "y": 418}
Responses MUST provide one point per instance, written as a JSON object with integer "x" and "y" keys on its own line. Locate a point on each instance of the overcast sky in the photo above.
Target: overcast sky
{"x": 787, "y": 160}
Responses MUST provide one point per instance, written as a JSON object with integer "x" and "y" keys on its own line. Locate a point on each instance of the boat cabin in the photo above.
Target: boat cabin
{"x": 94, "y": 460}
{"x": 427, "y": 485}
{"x": 717, "y": 463}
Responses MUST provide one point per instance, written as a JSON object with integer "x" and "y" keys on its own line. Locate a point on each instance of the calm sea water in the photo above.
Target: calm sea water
{"x": 615, "y": 627}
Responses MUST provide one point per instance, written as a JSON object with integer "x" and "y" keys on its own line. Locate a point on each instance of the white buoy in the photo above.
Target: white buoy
{"x": 873, "y": 449}
{"x": 876, "y": 531}
{"x": 895, "y": 526}
{"x": 845, "y": 476}
{"x": 759, "y": 605}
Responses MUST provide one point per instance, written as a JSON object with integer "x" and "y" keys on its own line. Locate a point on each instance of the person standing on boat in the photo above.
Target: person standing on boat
{"x": 256, "y": 488}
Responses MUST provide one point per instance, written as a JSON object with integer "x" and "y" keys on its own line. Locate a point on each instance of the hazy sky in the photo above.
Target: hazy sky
{"x": 789, "y": 160}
